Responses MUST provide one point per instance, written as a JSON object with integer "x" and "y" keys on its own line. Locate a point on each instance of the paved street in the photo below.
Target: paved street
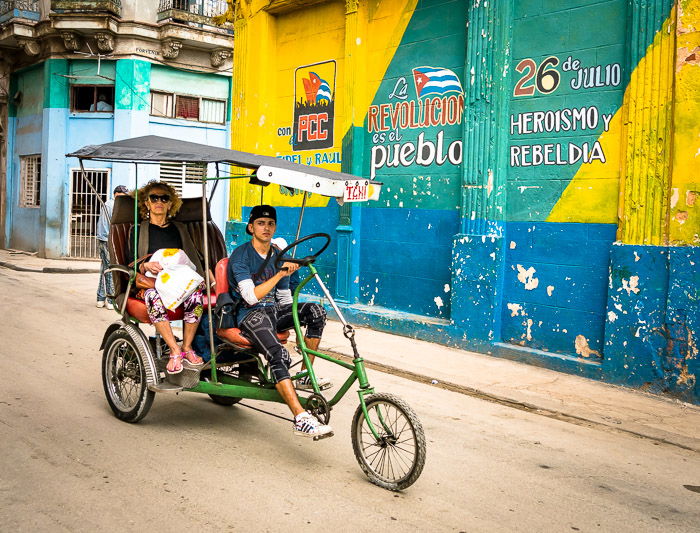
{"x": 68, "y": 465}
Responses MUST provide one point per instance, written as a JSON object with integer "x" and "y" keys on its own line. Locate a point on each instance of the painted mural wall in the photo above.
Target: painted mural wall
{"x": 539, "y": 168}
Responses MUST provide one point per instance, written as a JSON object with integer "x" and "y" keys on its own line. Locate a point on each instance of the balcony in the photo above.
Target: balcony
{"x": 112, "y": 7}
{"x": 194, "y": 12}
{"x": 19, "y": 9}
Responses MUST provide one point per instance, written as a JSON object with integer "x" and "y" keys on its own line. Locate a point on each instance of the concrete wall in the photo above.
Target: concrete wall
{"x": 43, "y": 123}
{"x": 24, "y": 138}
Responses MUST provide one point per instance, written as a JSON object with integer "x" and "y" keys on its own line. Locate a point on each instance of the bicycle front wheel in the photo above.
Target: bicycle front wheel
{"x": 395, "y": 458}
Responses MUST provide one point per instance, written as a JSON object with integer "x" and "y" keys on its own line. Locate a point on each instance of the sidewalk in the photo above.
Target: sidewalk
{"x": 545, "y": 392}
{"x": 28, "y": 262}
{"x": 540, "y": 391}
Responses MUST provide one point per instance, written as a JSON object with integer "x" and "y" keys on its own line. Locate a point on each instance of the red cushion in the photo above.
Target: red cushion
{"x": 137, "y": 309}
{"x": 221, "y": 277}
{"x": 234, "y": 336}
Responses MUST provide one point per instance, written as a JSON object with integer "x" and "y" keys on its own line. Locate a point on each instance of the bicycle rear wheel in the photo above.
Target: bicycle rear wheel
{"x": 396, "y": 458}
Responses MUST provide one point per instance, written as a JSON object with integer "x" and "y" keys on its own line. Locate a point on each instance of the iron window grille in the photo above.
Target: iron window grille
{"x": 30, "y": 180}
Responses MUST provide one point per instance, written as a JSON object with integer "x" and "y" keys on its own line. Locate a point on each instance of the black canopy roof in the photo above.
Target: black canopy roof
{"x": 152, "y": 148}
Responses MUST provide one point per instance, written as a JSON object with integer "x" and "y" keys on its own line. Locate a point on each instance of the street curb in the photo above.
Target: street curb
{"x": 515, "y": 404}
{"x": 50, "y": 270}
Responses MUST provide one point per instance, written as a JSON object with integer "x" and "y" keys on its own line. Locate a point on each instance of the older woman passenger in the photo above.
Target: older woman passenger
{"x": 158, "y": 204}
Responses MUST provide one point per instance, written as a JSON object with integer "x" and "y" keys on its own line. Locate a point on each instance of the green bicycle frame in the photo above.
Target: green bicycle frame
{"x": 224, "y": 385}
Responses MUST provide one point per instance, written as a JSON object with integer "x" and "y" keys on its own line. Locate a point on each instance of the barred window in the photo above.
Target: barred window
{"x": 30, "y": 176}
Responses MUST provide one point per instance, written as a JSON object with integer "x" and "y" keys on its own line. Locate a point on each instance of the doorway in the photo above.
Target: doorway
{"x": 85, "y": 210}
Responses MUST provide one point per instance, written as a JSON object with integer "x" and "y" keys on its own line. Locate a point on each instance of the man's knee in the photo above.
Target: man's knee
{"x": 315, "y": 320}
{"x": 279, "y": 361}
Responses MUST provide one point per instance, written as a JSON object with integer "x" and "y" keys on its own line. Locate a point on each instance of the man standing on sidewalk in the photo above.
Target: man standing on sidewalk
{"x": 105, "y": 283}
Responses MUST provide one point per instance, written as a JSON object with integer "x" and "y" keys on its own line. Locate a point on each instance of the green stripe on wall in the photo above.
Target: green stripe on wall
{"x": 133, "y": 85}
{"x": 56, "y": 93}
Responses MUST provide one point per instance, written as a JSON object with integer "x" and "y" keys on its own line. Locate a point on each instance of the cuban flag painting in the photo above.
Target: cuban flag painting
{"x": 316, "y": 89}
{"x": 436, "y": 80}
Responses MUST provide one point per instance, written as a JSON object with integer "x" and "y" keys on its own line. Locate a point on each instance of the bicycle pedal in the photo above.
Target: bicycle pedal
{"x": 319, "y": 437}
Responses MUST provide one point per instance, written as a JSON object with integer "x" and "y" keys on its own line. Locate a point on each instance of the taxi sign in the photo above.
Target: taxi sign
{"x": 356, "y": 191}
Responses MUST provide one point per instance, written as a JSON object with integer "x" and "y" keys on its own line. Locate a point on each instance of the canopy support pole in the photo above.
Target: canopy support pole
{"x": 301, "y": 218}
{"x": 208, "y": 278}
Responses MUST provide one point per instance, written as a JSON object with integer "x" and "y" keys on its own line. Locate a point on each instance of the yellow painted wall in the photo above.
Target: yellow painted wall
{"x": 684, "y": 219}
{"x": 269, "y": 47}
{"x": 662, "y": 159}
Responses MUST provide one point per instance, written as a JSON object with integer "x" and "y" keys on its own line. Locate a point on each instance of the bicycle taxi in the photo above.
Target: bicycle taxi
{"x": 387, "y": 437}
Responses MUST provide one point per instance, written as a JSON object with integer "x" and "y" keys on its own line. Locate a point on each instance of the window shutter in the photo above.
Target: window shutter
{"x": 213, "y": 111}
{"x": 185, "y": 178}
{"x": 187, "y": 107}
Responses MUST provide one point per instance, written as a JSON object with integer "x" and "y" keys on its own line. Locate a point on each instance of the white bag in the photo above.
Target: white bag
{"x": 178, "y": 279}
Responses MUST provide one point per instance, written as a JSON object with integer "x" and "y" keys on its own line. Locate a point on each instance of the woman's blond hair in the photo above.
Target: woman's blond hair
{"x": 176, "y": 201}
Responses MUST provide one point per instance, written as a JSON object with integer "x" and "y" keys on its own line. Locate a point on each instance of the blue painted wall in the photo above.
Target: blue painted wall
{"x": 653, "y": 316}
{"x": 555, "y": 286}
{"x": 25, "y": 127}
{"x": 405, "y": 258}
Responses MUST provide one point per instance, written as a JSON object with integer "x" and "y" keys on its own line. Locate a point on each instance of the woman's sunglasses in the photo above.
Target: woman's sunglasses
{"x": 159, "y": 198}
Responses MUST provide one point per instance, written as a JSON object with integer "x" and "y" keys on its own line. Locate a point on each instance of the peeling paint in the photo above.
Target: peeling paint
{"x": 612, "y": 316}
{"x": 674, "y": 197}
{"x": 526, "y": 277}
{"x": 446, "y": 288}
{"x": 582, "y": 348}
{"x": 438, "y": 302}
{"x": 512, "y": 245}
{"x": 631, "y": 285}
{"x": 523, "y": 188}
{"x": 550, "y": 289}
{"x": 529, "y": 329}
{"x": 514, "y": 309}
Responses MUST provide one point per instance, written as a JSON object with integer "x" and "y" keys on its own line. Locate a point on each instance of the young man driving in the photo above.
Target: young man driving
{"x": 265, "y": 308}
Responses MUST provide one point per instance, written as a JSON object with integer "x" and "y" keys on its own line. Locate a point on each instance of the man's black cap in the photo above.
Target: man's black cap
{"x": 261, "y": 211}
{"x": 121, "y": 189}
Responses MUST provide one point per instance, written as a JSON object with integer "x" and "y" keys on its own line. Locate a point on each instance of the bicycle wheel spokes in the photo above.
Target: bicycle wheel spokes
{"x": 126, "y": 372}
{"x": 395, "y": 457}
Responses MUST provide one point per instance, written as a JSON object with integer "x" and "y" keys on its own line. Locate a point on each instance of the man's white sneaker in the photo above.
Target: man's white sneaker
{"x": 100, "y": 304}
{"x": 307, "y": 425}
{"x": 109, "y": 305}
{"x": 305, "y": 383}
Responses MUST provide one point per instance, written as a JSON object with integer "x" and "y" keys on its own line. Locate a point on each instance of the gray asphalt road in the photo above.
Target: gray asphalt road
{"x": 68, "y": 464}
